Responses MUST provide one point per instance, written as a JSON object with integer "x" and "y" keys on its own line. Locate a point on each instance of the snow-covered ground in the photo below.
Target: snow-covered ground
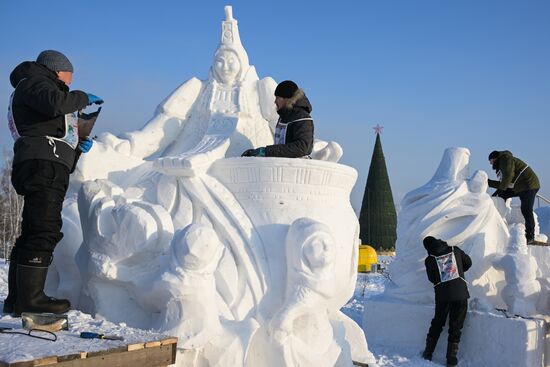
{"x": 367, "y": 286}
{"x": 68, "y": 342}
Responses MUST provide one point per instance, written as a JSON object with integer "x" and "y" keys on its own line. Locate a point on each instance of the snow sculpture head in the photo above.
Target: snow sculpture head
{"x": 454, "y": 166}
{"x": 226, "y": 66}
{"x": 478, "y": 183}
{"x": 311, "y": 253}
{"x": 197, "y": 248}
{"x": 230, "y": 59}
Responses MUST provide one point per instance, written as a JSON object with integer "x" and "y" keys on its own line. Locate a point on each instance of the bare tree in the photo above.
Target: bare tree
{"x": 11, "y": 206}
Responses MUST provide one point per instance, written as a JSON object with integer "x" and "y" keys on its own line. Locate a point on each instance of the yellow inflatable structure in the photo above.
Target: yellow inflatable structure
{"x": 367, "y": 259}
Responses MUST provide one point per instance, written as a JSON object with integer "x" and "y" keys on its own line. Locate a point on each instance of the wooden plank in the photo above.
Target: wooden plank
{"x": 136, "y": 346}
{"x": 36, "y": 362}
{"x": 70, "y": 357}
{"x": 145, "y": 357}
{"x": 46, "y": 361}
{"x": 160, "y": 353}
{"x": 169, "y": 341}
{"x": 107, "y": 351}
{"x": 153, "y": 344}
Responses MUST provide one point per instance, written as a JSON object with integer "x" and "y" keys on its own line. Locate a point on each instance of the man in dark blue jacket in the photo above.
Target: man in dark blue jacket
{"x": 43, "y": 119}
{"x": 445, "y": 266}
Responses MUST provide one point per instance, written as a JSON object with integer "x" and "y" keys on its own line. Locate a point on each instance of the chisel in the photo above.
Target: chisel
{"x": 90, "y": 335}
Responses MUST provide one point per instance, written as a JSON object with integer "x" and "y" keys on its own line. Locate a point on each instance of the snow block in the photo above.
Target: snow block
{"x": 487, "y": 339}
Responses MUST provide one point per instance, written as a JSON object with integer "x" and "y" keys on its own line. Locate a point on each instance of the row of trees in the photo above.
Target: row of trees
{"x": 11, "y": 206}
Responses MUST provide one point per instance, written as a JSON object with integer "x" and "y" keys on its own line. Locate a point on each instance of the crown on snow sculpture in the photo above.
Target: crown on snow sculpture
{"x": 229, "y": 52}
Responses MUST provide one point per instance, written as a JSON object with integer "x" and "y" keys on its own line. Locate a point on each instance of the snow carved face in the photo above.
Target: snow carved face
{"x": 226, "y": 67}
{"x": 319, "y": 251}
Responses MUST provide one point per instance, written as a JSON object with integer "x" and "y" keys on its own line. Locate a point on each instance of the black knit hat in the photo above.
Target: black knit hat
{"x": 286, "y": 89}
{"x": 494, "y": 154}
{"x": 54, "y": 60}
{"x": 429, "y": 241}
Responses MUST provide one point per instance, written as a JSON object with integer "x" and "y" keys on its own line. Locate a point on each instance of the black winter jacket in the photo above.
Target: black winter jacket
{"x": 39, "y": 105}
{"x": 452, "y": 290}
{"x": 299, "y": 134}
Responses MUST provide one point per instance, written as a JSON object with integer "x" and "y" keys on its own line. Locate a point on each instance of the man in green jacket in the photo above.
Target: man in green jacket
{"x": 516, "y": 178}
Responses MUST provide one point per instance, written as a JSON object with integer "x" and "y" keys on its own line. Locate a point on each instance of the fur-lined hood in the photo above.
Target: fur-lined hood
{"x": 298, "y": 101}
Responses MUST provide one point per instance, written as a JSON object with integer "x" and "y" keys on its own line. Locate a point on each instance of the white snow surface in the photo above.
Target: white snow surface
{"x": 16, "y": 348}
{"x": 368, "y": 285}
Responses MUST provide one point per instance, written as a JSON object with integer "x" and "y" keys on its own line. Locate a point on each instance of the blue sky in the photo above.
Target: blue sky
{"x": 435, "y": 74}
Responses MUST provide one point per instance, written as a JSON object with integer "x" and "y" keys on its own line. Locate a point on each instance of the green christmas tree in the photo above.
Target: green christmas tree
{"x": 378, "y": 219}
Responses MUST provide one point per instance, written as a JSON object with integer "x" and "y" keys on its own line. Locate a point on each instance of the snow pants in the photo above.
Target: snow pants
{"x": 44, "y": 185}
{"x": 527, "y": 199}
{"x": 457, "y": 314}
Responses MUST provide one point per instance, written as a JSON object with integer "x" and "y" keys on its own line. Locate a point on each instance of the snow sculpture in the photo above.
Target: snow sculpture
{"x": 233, "y": 107}
{"x": 456, "y": 208}
{"x": 188, "y": 288}
{"x": 522, "y": 290}
{"x": 182, "y": 236}
{"x": 311, "y": 252}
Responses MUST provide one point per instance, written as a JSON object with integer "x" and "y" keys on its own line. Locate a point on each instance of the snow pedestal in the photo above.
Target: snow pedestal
{"x": 487, "y": 339}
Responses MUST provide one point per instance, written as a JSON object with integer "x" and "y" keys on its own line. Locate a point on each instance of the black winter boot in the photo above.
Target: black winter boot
{"x": 430, "y": 347}
{"x": 452, "y": 351}
{"x": 9, "y": 302}
{"x": 32, "y": 269}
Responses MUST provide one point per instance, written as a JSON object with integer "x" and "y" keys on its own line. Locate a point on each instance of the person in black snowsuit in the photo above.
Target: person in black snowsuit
{"x": 294, "y": 130}
{"x": 445, "y": 266}
{"x": 43, "y": 120}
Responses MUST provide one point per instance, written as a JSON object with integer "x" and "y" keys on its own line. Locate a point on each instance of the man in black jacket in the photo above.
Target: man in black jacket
{"x": 43, "y": 120}
{"x": 294, "y": 130}
{"x": 445, "y": 266}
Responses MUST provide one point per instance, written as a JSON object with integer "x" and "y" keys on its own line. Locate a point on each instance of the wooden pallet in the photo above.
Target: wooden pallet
{"x": 151, "y": 354}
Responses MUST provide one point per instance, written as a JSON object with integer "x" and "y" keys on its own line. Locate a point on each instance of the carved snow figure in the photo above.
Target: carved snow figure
{"x": 310, "y": 252}
{"x": 177, "y": 174}
{"x": 232, "y": 107}
{"x": 522, "y": 290}
{"x": 457, "y": 208}
{"x": 189, "y": 287}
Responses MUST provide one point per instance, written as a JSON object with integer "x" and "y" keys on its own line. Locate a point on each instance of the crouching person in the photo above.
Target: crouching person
{"x": 43, "y": 120}
{"x": 445, "y": 266}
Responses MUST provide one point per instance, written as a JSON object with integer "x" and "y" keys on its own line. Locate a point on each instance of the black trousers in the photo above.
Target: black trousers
{"x": 457, "y": 314}
{"x": 527, "y": 199}
{"x": 44, "y": 185}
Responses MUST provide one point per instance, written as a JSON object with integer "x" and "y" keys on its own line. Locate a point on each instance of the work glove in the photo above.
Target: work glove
{"x": 85, "y": 145}
{"x": 258, "y": 152}
{"x": 94, "y": 99}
